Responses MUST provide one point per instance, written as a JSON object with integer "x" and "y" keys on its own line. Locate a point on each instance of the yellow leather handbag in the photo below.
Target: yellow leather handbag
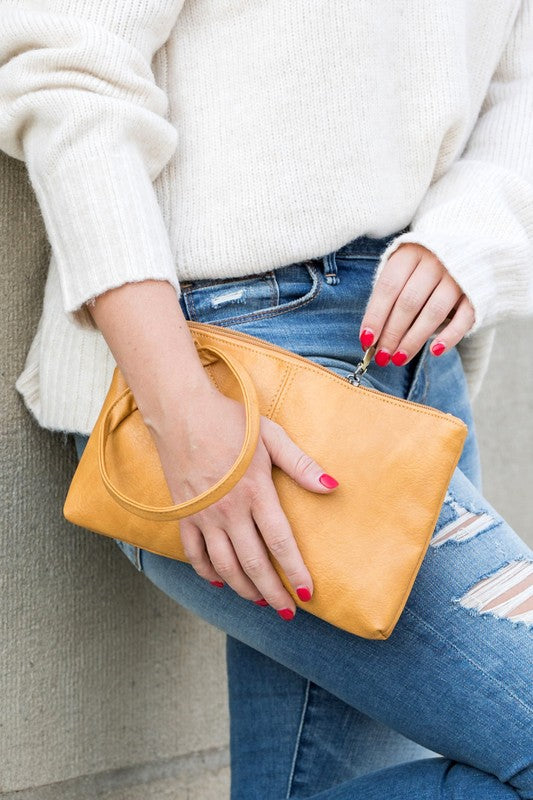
{"x": 363, "y": 543}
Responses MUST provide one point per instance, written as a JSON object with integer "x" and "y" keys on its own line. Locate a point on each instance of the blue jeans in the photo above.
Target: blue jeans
{"x": 441, "y": 709}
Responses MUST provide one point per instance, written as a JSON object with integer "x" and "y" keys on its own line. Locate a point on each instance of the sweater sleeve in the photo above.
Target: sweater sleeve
{"x": 477, "y": 218}
{"x": 79, "y": 104}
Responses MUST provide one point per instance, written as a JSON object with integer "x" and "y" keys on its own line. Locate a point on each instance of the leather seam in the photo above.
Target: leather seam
{"x": 284, "y": 388}
{"x": 333, "y": 378}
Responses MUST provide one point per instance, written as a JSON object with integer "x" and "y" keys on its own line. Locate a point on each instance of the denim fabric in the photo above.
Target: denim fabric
{"x": 441, "y": 709}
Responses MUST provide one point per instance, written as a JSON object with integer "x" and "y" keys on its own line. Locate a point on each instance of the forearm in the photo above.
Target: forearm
{"x": 147, "y": 333}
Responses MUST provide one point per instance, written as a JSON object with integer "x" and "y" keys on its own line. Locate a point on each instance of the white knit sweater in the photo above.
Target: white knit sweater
{"x": 215, "y": 138}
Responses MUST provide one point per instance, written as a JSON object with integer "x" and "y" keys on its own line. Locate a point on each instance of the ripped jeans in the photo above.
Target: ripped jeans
{"x": 443, "y": 708}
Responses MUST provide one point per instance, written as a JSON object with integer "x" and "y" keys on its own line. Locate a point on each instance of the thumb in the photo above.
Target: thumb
{"x": 286, "y": 454}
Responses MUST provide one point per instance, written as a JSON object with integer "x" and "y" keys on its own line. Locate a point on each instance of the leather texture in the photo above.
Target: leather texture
{"x": 363, "y": 543}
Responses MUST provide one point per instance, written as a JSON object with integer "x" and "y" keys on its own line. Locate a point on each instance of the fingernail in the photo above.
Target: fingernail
{"x": 218, "y": 584}
{"x": 261, "y": 602}
{"x": 366, "y": 338}
{"x": 399, "y": 358}
{"x": 303, "y": 593}
{"x": 327, "y": 481}
{"x": 438, "y": 348}
{"x": 286, "y": 613}
{"x": 382, "y": 358}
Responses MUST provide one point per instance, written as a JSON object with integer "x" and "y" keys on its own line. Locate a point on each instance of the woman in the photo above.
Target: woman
{"x": 309, "y": 173}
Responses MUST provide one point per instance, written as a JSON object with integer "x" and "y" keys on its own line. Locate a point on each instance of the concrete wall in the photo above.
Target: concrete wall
{"x": 504, "y": 416}
{"x": 109, "y": 689}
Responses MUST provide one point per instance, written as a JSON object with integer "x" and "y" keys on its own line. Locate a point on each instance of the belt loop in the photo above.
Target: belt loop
{"x": 329, "y": 264}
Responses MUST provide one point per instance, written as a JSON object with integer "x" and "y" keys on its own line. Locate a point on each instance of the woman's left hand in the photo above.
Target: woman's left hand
{"x": 413, "y": 296}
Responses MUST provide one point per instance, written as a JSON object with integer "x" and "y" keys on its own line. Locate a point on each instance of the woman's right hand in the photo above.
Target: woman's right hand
{"x": 230, "y": 540}
{"x": 198, "y": 433}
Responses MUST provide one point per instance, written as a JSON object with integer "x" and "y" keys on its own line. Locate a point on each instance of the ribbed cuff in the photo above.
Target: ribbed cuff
{"x": 473, "y": 267}
{"x": 440, "y": 249}
{"x": 105, "y": 227}
{"x": 476, "y": 219}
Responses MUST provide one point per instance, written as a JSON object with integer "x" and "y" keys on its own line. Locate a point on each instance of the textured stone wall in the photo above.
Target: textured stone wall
{"x": 504, "y": 419}
{"x": 108, "y": 688}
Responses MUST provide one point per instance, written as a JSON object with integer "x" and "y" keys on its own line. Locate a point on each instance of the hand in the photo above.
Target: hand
{"x": 229, "y": 541}
{"x": 198, "y": 433}
{"x": 412, "y": 297}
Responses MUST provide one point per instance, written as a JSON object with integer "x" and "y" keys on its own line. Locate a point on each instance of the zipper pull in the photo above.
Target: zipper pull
{"x": 361, "y": 368}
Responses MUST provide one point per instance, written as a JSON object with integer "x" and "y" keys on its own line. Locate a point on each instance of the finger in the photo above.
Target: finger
{"x": 388, "y": 286}
{"x": 286, "y": 454}
{"x": 255, "y": 562}
{"x": 438, "y": 306}
{"x": 409, "y": 302}
{"x": 227, "y": 565}
{"x": 194, "y": 546}
{"x": 276, "y": 531}
{"x": 460, "y": 324}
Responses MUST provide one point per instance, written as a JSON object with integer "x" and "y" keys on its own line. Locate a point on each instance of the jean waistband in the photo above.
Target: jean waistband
{"x": 360, "y": 247}
{"x": 367, "y": 245}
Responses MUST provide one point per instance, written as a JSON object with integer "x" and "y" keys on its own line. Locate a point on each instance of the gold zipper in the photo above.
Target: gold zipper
{"x": 222, "y": 331}
{"x": 361, "y": 368}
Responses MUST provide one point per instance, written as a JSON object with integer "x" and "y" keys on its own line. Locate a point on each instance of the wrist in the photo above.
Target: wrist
{"x": 169, "y": 402}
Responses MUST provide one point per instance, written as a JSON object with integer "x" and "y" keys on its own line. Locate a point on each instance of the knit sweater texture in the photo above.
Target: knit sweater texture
{"x": 217, "y": 138}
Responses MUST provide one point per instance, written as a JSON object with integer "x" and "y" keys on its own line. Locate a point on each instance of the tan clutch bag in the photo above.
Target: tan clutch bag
{"x": 363, "y": 543}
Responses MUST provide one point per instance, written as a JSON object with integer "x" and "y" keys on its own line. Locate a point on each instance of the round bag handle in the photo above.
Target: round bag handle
{"x": 222, "y": 486}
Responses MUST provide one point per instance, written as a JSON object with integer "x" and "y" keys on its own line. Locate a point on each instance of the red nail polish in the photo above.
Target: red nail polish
{"x": 382, "y": 358}
{"x": 286, "y": 613}
{"x": 327, "y": 481}
{"x": 303, "y": 593}
{"x": 399, "y": 358}
{"x": 366, "y": 338}
{"x": 261, "y": 602}
{"x": 218, "y": 584}
{"x": 438, "y": 348}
